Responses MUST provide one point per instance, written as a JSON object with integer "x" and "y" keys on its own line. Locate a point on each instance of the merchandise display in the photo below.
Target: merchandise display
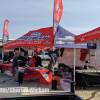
{"x": 65, "y": 84}
{"x": 30, "y": 72}
{"x": 8, "y": 73}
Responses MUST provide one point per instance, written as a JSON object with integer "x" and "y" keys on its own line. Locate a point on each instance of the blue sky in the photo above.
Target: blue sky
{"x": 79, "y": 16}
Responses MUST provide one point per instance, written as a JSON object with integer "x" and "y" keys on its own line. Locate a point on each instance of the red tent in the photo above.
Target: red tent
{"x": 92, "y": 36}
{"x": 38, "y": 38}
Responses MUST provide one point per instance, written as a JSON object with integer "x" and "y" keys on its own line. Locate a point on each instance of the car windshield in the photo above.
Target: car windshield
{"x": 46, "y": 53}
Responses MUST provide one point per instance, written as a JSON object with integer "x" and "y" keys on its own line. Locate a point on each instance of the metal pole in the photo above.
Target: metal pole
{"x": 2, "y": 54}
{"x": 58, "y": 57}
{"x": 74, "y": 65}
{"x": 96, "y": 59}
{"x": 19, "y": 48}
{"x": 53, "y": 34}
{"x": 89, "y": 55}
{"x": 53, "y": 19}
{"x": 2, "y": 50}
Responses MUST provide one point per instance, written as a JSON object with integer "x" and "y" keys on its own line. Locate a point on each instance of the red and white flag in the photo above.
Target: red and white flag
{"x": 5, "y": 32}
{"x": 58, "y": 10}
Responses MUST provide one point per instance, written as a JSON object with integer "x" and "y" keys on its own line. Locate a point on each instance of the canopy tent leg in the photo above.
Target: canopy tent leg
{"x": 2, "y": 50}
{"x": 2, "y": 55}
{"x": 89, "y": 55}
{"x": 74, "y": 67}
{"x": 53, "y": 67}
{"x": 96, "y": 59}
{"x": 19, "y": 48}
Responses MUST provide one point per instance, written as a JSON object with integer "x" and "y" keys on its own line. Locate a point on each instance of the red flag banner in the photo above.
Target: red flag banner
{"x": 5, "y": 32}
{"x": 58, "y": 10}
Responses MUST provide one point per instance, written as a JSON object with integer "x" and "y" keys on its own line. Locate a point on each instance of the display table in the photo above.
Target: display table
{"x": 87, "y": 77}
{"x": 43, "y": 73}
{"x": 32, "y": 72}
{"x": 6, "y": 66}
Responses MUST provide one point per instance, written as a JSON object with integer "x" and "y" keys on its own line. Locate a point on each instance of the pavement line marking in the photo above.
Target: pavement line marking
{"x": 59, "y": 91}
{"x": 36, "y": 93}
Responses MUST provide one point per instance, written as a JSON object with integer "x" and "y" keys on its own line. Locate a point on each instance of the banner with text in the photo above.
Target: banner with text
{"x": 58, "y": 10}
{"x": 38, "y": 38}
{"x": 5, "y": 32}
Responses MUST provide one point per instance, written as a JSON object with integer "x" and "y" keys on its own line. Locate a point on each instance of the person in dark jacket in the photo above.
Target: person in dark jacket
{"x": 38, "y": 59}
{"x": 86, "y": 64}
{"x": 16, "y": 65}
{"x": 21, "y": 63}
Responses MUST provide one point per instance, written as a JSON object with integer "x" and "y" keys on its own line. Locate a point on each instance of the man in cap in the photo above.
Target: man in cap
{"x": 86, "y": 64}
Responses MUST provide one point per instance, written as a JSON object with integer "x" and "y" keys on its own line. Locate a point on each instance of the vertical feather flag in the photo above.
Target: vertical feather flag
{"x": 58, "y": 10}
{"x": 5, "y": 32}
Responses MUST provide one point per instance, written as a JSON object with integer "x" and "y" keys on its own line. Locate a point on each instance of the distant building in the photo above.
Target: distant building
{"x": 1, "y": 42}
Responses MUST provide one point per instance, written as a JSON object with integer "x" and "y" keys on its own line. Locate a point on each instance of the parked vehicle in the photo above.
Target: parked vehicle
{"x": 44, "y": 56}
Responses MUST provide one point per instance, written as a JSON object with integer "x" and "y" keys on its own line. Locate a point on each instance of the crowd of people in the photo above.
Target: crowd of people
{"x": 20, "y": 62}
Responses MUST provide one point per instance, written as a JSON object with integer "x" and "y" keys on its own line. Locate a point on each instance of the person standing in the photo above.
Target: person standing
{"x": 27, "y": 63}
{"x": 15, "y": 65}
{"x": 21, "y": 66}
{"x": 38, "y": 59}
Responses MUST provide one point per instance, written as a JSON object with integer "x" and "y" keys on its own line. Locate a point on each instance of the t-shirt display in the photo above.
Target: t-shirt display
{"x": 53, "y": 55}
{"x": 32, "y": 62}
{"x": 83, "y": 54}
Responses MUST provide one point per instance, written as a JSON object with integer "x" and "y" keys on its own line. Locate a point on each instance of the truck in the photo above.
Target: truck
{"x": 44, "y": 56}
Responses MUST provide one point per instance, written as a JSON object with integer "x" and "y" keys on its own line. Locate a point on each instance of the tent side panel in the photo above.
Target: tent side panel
{"x": 68, "y": 57}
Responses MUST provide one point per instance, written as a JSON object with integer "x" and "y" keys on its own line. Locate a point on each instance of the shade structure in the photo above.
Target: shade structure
{"x": 65, "y": 39}
{"x": 37, "y": 38}
{"x": 92, "y": 36}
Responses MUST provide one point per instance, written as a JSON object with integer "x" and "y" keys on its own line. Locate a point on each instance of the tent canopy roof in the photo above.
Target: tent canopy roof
{"x": 92, "y": 36}
{"x": 65, "y": 39}
{"x": 37, "y": 38}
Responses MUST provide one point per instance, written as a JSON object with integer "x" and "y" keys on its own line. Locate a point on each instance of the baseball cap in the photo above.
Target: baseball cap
{"x": 36, "y": 52}
{"x": 87, "y": 61}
